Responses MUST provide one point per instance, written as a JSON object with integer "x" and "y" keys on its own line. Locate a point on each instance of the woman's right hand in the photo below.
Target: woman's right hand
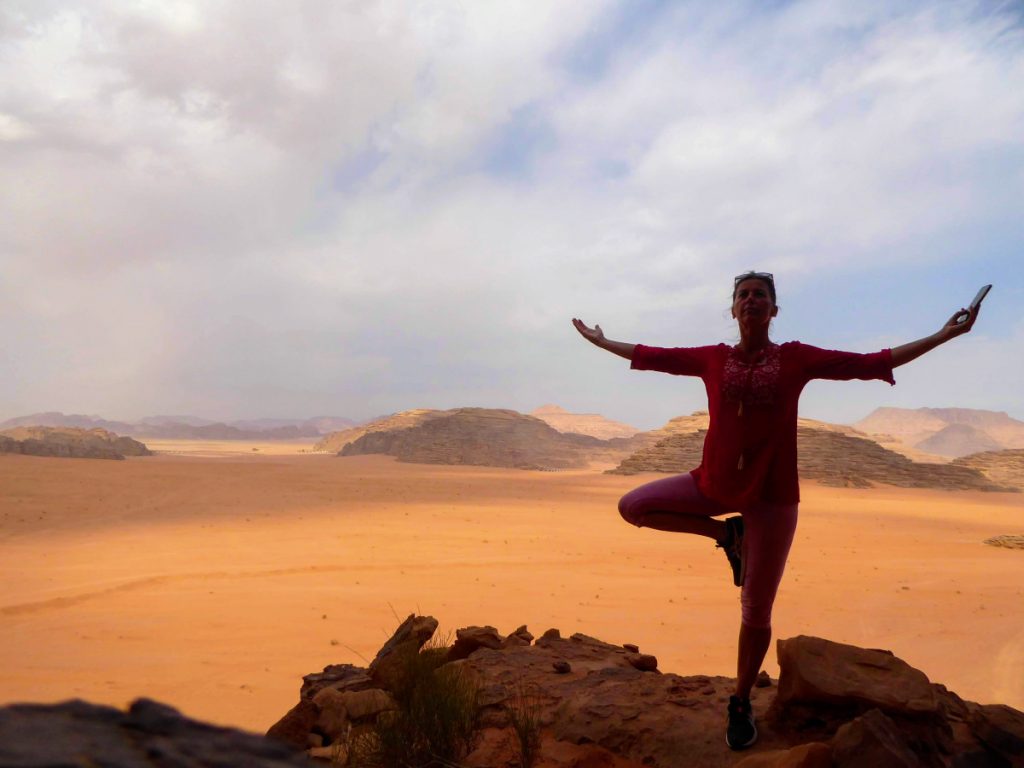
{"x": 594, "y": 335}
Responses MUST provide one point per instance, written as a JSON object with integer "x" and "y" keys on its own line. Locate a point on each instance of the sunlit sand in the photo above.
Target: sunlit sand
{"x": 215, "y": 582}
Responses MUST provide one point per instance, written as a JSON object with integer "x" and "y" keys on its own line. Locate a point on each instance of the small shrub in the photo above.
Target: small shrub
{"x": 524, "y": 713}
{"x": 434, "y": 723}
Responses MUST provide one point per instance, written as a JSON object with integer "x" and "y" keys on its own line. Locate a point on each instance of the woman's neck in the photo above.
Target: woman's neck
{"x": 752, "y": 342}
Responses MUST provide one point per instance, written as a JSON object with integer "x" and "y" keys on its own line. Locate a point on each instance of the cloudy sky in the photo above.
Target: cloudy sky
{"x": 241, "y": 209}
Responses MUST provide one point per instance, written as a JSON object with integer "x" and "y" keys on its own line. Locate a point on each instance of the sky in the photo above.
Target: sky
{"x": 246, "y": 209}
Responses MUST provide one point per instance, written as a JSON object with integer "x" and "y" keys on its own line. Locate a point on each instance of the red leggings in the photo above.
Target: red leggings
{"x": 768, "y": 534}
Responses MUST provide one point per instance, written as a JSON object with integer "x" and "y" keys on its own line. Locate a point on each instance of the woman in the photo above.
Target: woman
{"x": 749, "y": 463}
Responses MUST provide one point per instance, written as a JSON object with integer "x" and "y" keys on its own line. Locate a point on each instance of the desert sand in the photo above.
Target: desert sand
{"x": 214, "y": 580}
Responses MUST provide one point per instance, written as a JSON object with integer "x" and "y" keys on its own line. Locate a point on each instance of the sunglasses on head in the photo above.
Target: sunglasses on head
{"x": 758, "y": 275}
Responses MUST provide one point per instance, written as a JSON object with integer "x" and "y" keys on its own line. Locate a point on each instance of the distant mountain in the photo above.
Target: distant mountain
{"x": 57, "y": 419}
{"x": 168, "y": 421}
{"x": 592, "y": 424}
{"x": 189, "y": 427}
{"x": 959, "y": 440}
{"x": 927, "y": 429}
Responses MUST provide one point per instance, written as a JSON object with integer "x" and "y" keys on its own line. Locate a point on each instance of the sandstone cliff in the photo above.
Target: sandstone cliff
{"x": 69, "y": 442}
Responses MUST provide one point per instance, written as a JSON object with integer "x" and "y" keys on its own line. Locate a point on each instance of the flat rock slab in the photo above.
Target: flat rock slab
{"x": 148, "y": 735}
{"x": 643, "y": 717}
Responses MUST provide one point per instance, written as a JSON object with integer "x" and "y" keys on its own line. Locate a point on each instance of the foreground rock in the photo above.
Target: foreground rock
{"x": 148, "y": 735}
{"x": 596, "y": 704}
{"x": 69, "y": 442}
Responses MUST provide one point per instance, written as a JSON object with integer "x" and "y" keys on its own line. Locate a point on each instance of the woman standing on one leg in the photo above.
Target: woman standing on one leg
{"x": 749, "y": 463}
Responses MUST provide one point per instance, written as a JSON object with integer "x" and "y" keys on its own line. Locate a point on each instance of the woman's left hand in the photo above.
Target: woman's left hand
{"x": 953, "y": 328}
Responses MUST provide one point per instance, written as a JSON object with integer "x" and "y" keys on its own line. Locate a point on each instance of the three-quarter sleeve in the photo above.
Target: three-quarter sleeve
{"x": 681, "y": 361}
{"x": 842, "y": 366}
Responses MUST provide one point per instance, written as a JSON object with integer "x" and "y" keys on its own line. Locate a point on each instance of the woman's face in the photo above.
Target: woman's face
{"x": 752, "y": 304}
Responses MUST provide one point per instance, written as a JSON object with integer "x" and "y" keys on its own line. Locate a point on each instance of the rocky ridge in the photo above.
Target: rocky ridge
{"x": 831, "y": 454}
{"x": 335, "y": 441}
{"x": 597, "y": 704}
{"x": 69, "y": 442}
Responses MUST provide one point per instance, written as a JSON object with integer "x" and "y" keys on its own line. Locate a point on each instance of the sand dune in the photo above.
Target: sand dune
{"x": 215, "y": 583}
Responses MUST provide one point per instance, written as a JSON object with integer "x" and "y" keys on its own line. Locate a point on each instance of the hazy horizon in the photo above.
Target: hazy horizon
{"x": 257, "y": 211}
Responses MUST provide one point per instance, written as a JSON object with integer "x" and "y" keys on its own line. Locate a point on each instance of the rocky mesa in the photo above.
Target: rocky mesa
{"x": 69, "y": 442}
{"x": 491, "y": 437}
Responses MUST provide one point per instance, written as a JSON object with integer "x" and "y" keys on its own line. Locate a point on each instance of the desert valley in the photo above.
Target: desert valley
{"x": 215, "y": 572}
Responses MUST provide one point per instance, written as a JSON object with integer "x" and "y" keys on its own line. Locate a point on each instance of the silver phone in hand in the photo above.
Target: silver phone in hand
{"x": 975, "y": 303}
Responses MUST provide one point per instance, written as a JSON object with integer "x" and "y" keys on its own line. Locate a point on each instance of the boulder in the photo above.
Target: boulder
{"x": 872, "y": 740}
{"x": 470, "y": 639}
{"x": 645, "y": 662}
{"x": 1001, "y": 729}
{"x": 411, "y": 635}
{"x": 521, "y": 636}
{"x": 294, "y": 728}
{"x": 76, "y": 733}
{"x": 365, "y": 705}
{"x": 340, "y": 677}
{"x": 332, "y": 720}
{"x": 817, "y": 671}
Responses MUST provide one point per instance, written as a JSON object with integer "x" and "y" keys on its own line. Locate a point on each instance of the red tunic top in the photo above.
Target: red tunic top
{"x": 750, "y": 447}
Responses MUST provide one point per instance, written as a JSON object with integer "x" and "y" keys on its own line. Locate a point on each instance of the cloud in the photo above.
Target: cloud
{"x": 279, "y": 208}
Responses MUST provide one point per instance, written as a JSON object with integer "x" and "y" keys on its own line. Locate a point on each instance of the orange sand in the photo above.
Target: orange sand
{"x": 214, "y": 584}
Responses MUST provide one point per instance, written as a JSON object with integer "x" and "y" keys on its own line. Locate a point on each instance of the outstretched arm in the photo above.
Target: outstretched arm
{"x": 596, "y": 337}
{"x": 907, "y": 352}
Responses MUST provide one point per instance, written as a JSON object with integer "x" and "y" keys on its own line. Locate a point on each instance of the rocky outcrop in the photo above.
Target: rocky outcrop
{"x": 831, "y": 454}
{"x": 591, "y": 703}
{"x": 69, "y": 442}
{"x": 487, "y": 437}
{"x": 1007, "y": 540}
{"x": 148, "y": 735}
{"x": 1002, "y": 467}
{"x": 592, "y": 424}
{"x": 336, "y": 441}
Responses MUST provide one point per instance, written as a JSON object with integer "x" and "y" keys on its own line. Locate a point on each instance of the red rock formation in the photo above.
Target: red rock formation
{"x": 593, "y": 704}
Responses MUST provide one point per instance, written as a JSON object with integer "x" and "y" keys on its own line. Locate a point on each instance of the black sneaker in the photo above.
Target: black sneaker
{"x": 741, "y": 732}
{"x": 733, "y": 546}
